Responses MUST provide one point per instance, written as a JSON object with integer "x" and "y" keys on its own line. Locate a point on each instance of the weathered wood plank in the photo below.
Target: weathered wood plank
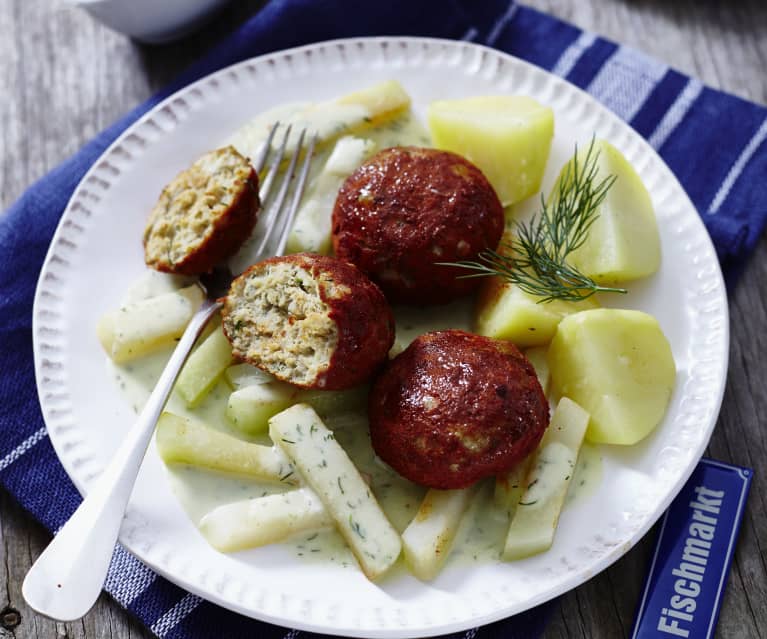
{"x": 66, "y": 77}
{"x": 21, "y": 541}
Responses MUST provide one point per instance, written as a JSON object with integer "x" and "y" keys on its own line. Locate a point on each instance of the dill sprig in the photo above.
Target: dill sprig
{"x": 536, "y": 258}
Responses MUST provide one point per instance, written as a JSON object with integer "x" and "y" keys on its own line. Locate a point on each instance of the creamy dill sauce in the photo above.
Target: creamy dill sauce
{"x": 588, "y": 473}
{"x": 483, "y": 529}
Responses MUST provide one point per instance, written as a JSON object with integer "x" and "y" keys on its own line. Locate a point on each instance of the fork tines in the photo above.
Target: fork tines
{"x": 278, "y": 211}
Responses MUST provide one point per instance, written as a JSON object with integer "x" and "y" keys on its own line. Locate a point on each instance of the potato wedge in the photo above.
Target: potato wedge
{"x": 507, "y": 137}
{"x": 505, "y": 311}
{"x": 618, "y": 365}
{"x": 623, "y": 243}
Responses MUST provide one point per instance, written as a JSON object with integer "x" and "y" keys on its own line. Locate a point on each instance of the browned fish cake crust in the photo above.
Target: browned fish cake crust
{"x": 454, "y": 408}
{"x": 311, "y": 320}
{"x": 203, "y": 215}
{"x": 408, "y": 208}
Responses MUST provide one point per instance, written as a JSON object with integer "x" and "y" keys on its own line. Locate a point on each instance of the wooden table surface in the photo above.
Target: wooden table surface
{"x": 64, "y": 78}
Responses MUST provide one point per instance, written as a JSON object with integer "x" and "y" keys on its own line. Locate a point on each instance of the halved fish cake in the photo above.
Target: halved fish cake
{"x": 203, "y": 215}
{"x": 310, "y": 320}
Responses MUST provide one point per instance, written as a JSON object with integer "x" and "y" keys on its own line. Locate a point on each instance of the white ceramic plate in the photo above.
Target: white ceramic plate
{"x": 96, "y": 254}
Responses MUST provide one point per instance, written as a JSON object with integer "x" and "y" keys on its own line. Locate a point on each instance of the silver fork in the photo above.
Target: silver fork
{"x": 67, "y": 578}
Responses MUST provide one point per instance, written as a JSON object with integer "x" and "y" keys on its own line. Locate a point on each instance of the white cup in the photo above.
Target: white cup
{"x": 152, "y": 21}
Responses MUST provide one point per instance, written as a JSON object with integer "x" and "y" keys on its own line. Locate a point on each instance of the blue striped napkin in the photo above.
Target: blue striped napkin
{"x": 714, "y": 142}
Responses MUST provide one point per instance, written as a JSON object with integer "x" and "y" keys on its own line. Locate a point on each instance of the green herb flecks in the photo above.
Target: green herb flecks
{"x": 536, "y": 258}
{"x": 356, "y": 528}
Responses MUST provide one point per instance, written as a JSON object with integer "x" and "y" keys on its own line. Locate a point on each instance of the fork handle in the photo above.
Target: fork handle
{"x": 67, "y": 578}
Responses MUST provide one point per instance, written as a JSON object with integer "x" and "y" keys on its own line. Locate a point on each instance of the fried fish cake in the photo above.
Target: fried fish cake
{"x": 406, "y": 210}
{"x": 454, "y": 408}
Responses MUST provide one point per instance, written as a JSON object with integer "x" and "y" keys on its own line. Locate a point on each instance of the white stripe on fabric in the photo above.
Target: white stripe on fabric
{"x": 625, "y": 81}
{"x": 470, "y": 34}
{"x": 173, "y": 617}
{"x": 470, "y": 634}
{"x": 22, "y": 448}
{"x": 737, "y": 168}
{"x": 573, "y": 53}
{"x": 675, "y": 114}
{"x": 292, "y": 634}
{"x": 501, "y": 23}
{"x": 127, "y": 577}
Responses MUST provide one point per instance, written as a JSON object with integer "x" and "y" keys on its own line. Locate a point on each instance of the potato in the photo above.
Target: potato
{"x": 618, "y": 365}
{"x": 505, "y": 311}
{"x": 623, "y": 244}
{"x": 507, "y": 137}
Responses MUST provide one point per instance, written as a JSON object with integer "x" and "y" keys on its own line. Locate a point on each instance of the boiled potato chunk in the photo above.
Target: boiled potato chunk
{"x": 508, "y": 137}
{"x": 505, "y": 311}
{"x": 618, "y": 365}
{"x": 623, "y": 244}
